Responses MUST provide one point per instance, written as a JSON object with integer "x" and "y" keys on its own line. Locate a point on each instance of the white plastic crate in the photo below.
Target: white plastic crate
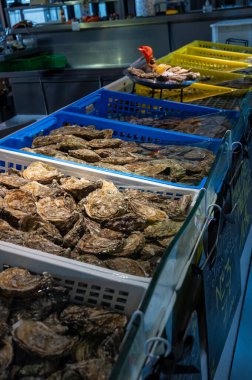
{"x": 240, "y": 29}
{"x": 86, "y": 286}
{"x": 20, "y": 161}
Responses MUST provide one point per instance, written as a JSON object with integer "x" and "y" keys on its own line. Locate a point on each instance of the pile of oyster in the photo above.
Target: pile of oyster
{"x": 87, "y": 145}
{"x": 90, "y": 221}
{"x": 213, "y": 126}
{"x": 44, "y": 336}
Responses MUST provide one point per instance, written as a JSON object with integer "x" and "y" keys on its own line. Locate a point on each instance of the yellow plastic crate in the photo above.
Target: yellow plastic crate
{"x": 219, "y": 54}
{"x": 194, "y": 92}
{"x": 220, "y": 46}
{"x": 196, "y": 63}
{"x": 236, "y": 80}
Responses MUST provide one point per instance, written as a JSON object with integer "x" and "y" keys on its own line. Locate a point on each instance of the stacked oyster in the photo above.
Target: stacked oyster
{"x": 213, "y": 126}
{"x": 50, "y": 338}
{"x": 90, "y": 221}
{"x": 87, "y": 145}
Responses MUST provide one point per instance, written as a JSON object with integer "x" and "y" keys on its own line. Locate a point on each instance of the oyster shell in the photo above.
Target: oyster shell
{"x": 126, "y": 223}
{"x": 12, "y": 181}
{"x": 60, "y": 211}
{"x": 92, "y": 369}
{"x": 32, "y": 223}
{"x": 42, "y": 141}
{"x": 151, "y": 250}
{"x": 6, "y": 353}
{"x": 92, "y": 321}
{"x": 119, "y": 160}
{"x": 65, "y": 156}
{"x": 105, "y": 143}
{"x": 178, "y": 209}
{"x": 98, "y": 245}
{"x": 85, "y": 154}
{"x": 17, "y": 204}
{"x": 105, "y": 203}
{"x": 50, "y": 150}
{"x": 146, "y": 211}
{"x": 166, "y": 228}
{"x": 18, "y": 282}
{"x": 88, "y": 259}
{"x": 87, "y": 133}
{"x": 38, "y": 190}
{"x": 112, "y": 167}
{"x": 41, "y": 172}
{"x": 10, "y": 234}
{"x": 72, "y": 142}
{"x": 74, "y": 235}
{"x": 126, "y": 265}
{"x": 38, "y": 339}
{"x": 3, "y": 191}
{"x": 133, "y": 244}
{"x": 79, "y": 187}
{"x": 35, "y": 241}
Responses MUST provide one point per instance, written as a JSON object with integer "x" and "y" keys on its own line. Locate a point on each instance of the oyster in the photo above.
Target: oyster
{"x": 151, "y": 250}
{"x": 74, "y": 235}
{"x": 41, "y": 172}
{"x": 92, "y": 321}
{"x": 133, "y": 244}
{"x": 72, "y": 142}
{"x": 125, "y": 265}
{"x": 60, "y": 211}
{"x": 177, "y": 210}
{"x": 114, "y": 160}
{"x": 50, "y": 150}
{"x": 65, "y": 156}
{"x": 38, "y": 339}
{"x": 112, "y": 167}
{"x": 87, "y": 133}
{"x": 12, "y": 181}
{"x": 37, "y": 189}
{"x": 10, "y": 234}
{"x": 85, "y": 154}
{"x": 41, "y": 369}
{"x": 95, "y": 244}
{"x": 79, "y": 187}
{"x": 92, "y": 369}
{"x": 126, "y": 223}
{"x": 105, "y": 143}
{"x": 35, "y": 241}
{"x": 6, "y": 354}
{"x": 18, "y": 282}
{"x": 3, "y": 191}
{"x": 166, "y": 228}
{"x": 32, "y": 223}
{"x": 88, "y": 259}
{"x": 42, "y": 141}
{"x": 149, "y": 213}
{"x": 17, "y": 204}
{"x": 105, "y": 203}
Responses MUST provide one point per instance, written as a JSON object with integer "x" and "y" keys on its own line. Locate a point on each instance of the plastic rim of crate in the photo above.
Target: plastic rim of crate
{"x": 219, "y": 54}
{"x": 194, "y": 92}
{"x": 221, "y": 46}
{"x": 197, "y": 62}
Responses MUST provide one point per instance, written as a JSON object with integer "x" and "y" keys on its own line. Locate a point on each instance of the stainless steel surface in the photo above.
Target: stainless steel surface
{"x": 17, "y": 122}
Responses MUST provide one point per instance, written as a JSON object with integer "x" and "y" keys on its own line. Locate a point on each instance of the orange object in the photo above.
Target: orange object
{"x": 147, "y": 52}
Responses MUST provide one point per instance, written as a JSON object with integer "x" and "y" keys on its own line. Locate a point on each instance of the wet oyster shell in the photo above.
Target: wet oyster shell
{"x": 18, "y": 282}
{"x": 105, "y": 203}
{"x": 31, "y": 223}
{"x": 60, "y": 211}
{"x": 85, "y": 154}
{"x": 79, "y": 187}
{"x": 125, "y": 265}
{"x": 74, "y": 235}
{"x": 72, "y": 142}
{"x": 17, "y": 204}
{"x": 42, "y": 141}
{"x": 41, "y": 172}
{"x": 38, "y": 339}
{"x": 35, "y": 241}
{"x": 12, "y": 181}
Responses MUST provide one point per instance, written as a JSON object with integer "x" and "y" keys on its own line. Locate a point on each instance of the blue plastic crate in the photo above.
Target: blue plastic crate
{"x": 114, "y": 105}
{"x": 24, "y": 137}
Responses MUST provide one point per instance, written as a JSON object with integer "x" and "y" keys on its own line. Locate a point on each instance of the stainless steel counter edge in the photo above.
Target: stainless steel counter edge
{"x": 234, "y": 13}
